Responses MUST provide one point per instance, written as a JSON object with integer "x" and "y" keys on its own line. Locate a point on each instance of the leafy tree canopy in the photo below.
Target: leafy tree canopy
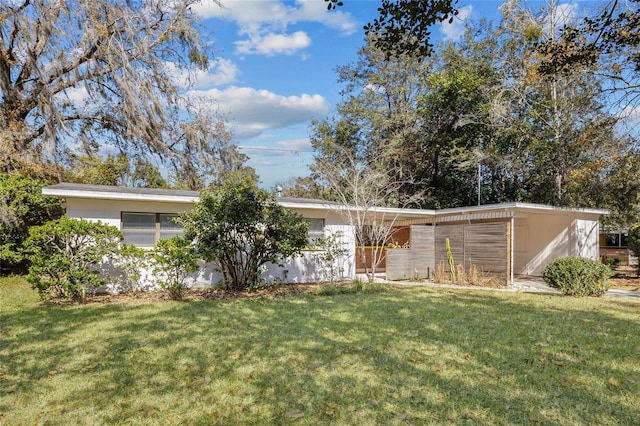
{"x": 478, "y": 123}
{"x": 633, "y": 240}
{"x": 115, "y": 171}
{"x": 404, "y": 26}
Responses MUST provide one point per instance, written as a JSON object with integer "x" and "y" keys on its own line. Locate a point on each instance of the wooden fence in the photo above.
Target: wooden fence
{"x": 487, "y": 246}
{"x": 415, "y": 262}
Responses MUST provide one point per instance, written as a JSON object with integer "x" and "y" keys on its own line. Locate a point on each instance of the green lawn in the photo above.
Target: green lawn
{"x": 414, "y": 356}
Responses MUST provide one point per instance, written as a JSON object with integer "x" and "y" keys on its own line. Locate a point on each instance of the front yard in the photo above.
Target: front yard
{"x": 411, "y": 356}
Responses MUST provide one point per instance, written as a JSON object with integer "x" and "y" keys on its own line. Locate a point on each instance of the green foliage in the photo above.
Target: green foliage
{"x": 116, "y": 171}
{"x": 633, "y": 240}
{"x": 452, "y": 267}
{"x": 477, "y": 118}
{"x": 609, "y": 37}
{"x": 66, "y": 254}
{"x": 611, "y": 262}
{"x": 243, "y": 228}
{"x": 404, "y": 26}
{"x": 332, "y": 250}
{"x": 614, "y": 186}
{"x": 577, "y": 276}
{"x": 173, "y": 260}
{"x": 128, "y": 263}
{"x": 22, "y": 205}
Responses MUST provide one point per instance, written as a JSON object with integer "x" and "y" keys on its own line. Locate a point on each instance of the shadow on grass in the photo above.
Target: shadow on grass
{"x": 400, "y": 356}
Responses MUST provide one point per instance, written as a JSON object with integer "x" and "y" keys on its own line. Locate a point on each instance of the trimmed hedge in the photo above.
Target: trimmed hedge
{"x": 577, "y": 276}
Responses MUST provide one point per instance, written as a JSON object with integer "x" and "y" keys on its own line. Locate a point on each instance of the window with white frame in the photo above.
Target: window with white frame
{"x": 145, "y": 229}
{"x": 316, "y": 230}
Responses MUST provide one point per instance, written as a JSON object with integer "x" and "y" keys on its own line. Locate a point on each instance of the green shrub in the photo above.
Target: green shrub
{"x": 173, "y": 260}
{"x": 577, "y": 276}
{"x": 243, "y": 228}
{"x": 611, "y": 262}
{"x": 128, "y": 263}
{"x": 633, "y": 241}
{"x": 66, "y": 256}
{"x": 22, "y": 206}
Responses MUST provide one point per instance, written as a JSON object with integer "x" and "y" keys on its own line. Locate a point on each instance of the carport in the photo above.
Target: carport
{"x": 502, "y": 239}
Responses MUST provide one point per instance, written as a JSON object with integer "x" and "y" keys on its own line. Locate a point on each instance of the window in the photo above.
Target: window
{"x": 614, "y": 239}
{"x": 623, "y": 239}
{"x": 145, "y": 229}
{"x": 316, "y": 230}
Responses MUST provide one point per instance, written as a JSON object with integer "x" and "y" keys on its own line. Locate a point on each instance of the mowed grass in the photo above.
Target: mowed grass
{"x": 410, "y": 356}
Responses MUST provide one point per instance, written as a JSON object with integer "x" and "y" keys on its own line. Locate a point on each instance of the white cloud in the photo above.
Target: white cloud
{"x": 220, "y": 71}
{"x": 271, "y": 44}
{"x": 455, "y": 30}
{"x": 297, "y": 145}
{"x": 265, "y": 23}
{"x": 277, "y": 14}
{"x": 565, "y": 14}
{"x": 629, "y": 116}
{"x": 281, "y": 149}
{"x": 252, "y": 112}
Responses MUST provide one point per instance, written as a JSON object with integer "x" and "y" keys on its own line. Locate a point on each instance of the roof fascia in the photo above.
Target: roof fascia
{"x": 118, "y": 196}
{"x": 518, "y": 206}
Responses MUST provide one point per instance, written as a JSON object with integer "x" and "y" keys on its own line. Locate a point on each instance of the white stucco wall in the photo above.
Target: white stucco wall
{"x": 301, "y": 269}
{"x": 539, "y": 238}
{"x": 109, "y": 211}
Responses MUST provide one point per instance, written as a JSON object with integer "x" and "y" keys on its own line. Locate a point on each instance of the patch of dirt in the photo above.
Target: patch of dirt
{"x": 625, "y": 278}
{"x": 194, "y": 294}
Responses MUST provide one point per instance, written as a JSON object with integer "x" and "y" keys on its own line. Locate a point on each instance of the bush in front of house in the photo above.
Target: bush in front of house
{"x": 128, "y": 264}
{"x": 173, "y": 260}
{"x": 577, "y": 276}
{"x": 22, "y": 206}
{"x": 66, "y": 254}
{"x": 242, "y": 228}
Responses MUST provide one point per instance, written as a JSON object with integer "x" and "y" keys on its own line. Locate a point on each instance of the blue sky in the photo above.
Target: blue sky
{"x": 273, "y": 70}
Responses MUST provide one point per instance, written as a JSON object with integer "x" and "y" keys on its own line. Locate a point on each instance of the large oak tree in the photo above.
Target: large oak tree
{"x": 76, "y": 75}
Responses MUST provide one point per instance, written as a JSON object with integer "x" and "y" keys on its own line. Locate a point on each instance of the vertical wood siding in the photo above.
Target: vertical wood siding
{"x": 485, "y": 245}
{"x": 417, "y": 261}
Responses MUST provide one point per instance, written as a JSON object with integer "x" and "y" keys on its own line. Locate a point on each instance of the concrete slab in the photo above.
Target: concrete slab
{"x": 525, "y": 284}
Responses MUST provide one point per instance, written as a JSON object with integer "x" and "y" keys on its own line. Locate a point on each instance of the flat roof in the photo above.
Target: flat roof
{"x": 105, "y": 192}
